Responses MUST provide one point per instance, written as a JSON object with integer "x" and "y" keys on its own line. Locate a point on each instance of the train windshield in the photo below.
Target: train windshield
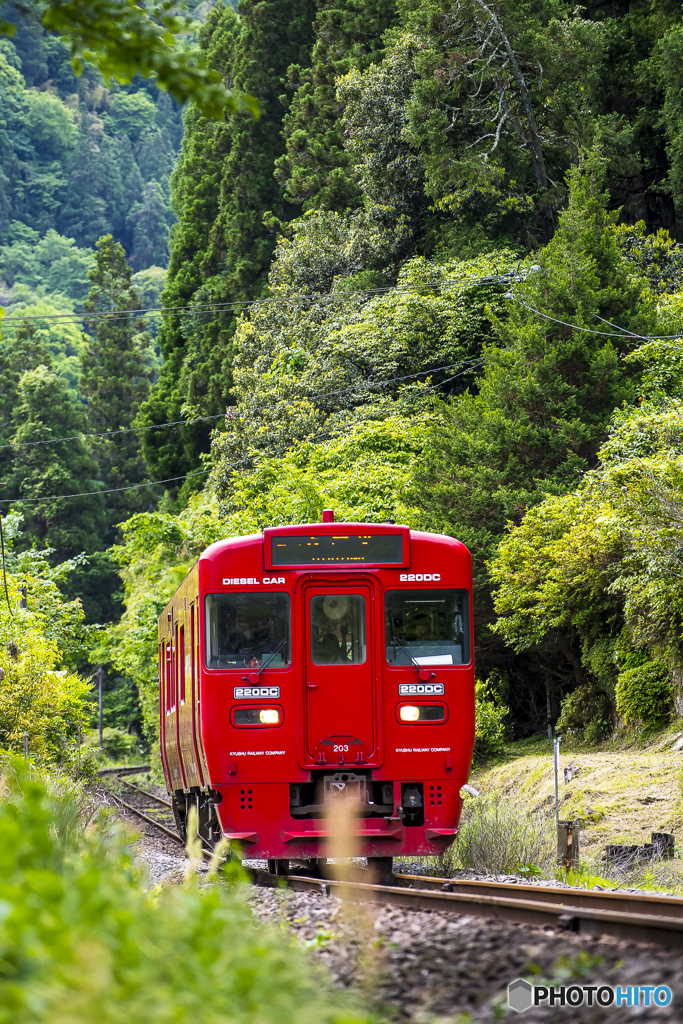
{"x": 427, "y": 627}
{"x": 248, "y": 630}
{"x": 338, "y": 629}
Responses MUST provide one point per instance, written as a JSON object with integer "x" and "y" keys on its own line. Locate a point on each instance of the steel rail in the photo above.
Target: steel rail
{"x": 134, "y": 769}
{"x": 656, "y": 903}
{"x": 659, "y": 928}
{"x": 144, "y": 792}
{"x": 582, "y": 911}
{"x": 150, "y": 821}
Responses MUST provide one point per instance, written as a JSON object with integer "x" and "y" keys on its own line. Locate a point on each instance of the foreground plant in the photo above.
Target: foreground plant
{"x": 81, "y": 940}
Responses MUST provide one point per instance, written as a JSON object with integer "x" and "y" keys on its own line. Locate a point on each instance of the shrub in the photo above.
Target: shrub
{"x": 496, "y": 835}
{"x": 118, "y": 744}
{"x": 490, "y": 714}
{"x": 40, "y": 694}
{"x": 587, "y": 712}
{"x": 82, "y": 942}
{"x": 644, "y": 690}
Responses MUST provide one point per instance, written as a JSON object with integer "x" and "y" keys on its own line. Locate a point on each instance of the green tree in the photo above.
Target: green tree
{"x": 156, "y": 157}
{"x": 60, "y": 338}
{"x": 149, "y": 224}
{"x": 317, "y": 169}
{"x": 40, "y": 694}
{"x": 314, "y": 364}
{"x": 115, "y": 380}
{"x": 94, "y": 199}
{"x": 594, "y": 575}
{"x": 122, "y": 40}
{"x": 46, "y": 409}
{"x": 221, "y": 247}
{"x": 543, "y": 404}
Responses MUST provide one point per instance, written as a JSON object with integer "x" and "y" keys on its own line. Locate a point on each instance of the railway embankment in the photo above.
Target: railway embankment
{"x": 620, "y": 794}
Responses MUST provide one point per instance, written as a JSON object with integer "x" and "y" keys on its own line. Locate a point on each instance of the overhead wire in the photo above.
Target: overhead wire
{"x": 469, "y": 365}
{"x": 216, "y": 416}
{"x": 606, "y": 334}
{"x": 113, "y": 433}
{"x": 110, "y": 490}
{"x": 208, "y": 307}
{"x": 202, "y": 472}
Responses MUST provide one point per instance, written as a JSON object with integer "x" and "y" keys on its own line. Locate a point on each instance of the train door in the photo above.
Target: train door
{"x": 171, "y": 717}
{"x": 340, "y": 706}
{"x": 163, "y": 698}
{"x": 186, "y": 704}
{"x": 193, "y": 696}
{"x": 197, "y": 694}
{"x": 178, "y": 696}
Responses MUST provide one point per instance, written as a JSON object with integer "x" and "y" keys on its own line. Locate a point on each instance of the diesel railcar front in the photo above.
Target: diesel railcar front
{"x": 316, "y": 660}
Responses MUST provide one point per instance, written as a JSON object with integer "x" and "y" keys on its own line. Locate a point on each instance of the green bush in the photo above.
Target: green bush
{"x": 644, "y": 690}
{"x": 82, "y": 942}
{"x": 490, "y": 714}
{"x": 587, "y": 712}
{"x": 118, "y": 744}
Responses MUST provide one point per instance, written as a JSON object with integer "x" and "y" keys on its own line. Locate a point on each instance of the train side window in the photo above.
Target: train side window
{"x": 174, "y": 681}
{"x": 181, "y": 663}
{"x": 338, "y": 629}
{"x": 430, "y": 627}
{"x": 247, "y": 630}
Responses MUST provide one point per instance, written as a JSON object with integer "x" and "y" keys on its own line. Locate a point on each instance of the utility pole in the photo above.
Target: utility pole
{"x": 98, "y": 675}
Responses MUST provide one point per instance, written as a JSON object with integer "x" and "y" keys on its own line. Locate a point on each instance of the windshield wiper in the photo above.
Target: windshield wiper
{"x": 257, "y": 672}
{"x": 403, "y": 645}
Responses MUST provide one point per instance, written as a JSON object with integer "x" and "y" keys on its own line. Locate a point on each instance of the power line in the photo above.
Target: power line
{"x": 152, "y": 483}
{"x": 110, "y": 433}
{"x": 208, "y": 307}
{"x": 605, "y": 334}
{"x": 110, "y": 490}
{"x": 217, "y": 416}
{"x": 205, "y": 307}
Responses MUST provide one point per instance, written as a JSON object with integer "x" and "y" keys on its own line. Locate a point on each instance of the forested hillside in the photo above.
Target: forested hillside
{"x": 425, "y": 283}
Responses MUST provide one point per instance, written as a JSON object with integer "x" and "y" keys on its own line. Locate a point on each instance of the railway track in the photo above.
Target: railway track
{"x": 144, "y": 803}
{"x": 626, "y": 916}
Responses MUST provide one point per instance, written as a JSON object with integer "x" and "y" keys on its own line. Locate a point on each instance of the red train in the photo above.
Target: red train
{"x": 313, "y": 661}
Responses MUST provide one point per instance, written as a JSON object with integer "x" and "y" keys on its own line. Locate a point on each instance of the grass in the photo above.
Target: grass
{"x": 625, "y": 791}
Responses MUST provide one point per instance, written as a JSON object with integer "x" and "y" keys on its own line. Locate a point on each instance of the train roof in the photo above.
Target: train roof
{"x": 325, "y": 529}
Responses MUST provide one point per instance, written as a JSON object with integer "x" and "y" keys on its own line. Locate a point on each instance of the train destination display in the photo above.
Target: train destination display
{"x": 327, "y": 549}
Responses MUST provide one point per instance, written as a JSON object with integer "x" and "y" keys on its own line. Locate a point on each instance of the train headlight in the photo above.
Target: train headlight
{"x": 408, "y": 713}
{"x": 422, "y": 713}
{"x": 256, "y": 716}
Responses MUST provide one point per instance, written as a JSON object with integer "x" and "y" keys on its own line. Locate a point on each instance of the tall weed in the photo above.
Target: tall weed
{"x": 497, "y": 834}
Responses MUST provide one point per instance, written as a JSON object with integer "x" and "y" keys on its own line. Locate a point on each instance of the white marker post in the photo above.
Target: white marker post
{"x": 556, "y": 756}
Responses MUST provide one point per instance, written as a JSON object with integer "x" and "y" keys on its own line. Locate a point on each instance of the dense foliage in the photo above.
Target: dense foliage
{"x": 223, "y": 188}
{"x": 42, "y": 698}
{"x": 450, "y": 125}
{"x": 421, "y": 285}
{"x": 82, "y": 940}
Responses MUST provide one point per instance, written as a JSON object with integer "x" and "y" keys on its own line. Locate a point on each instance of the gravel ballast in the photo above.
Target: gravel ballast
{"x": 430, "y": 967}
